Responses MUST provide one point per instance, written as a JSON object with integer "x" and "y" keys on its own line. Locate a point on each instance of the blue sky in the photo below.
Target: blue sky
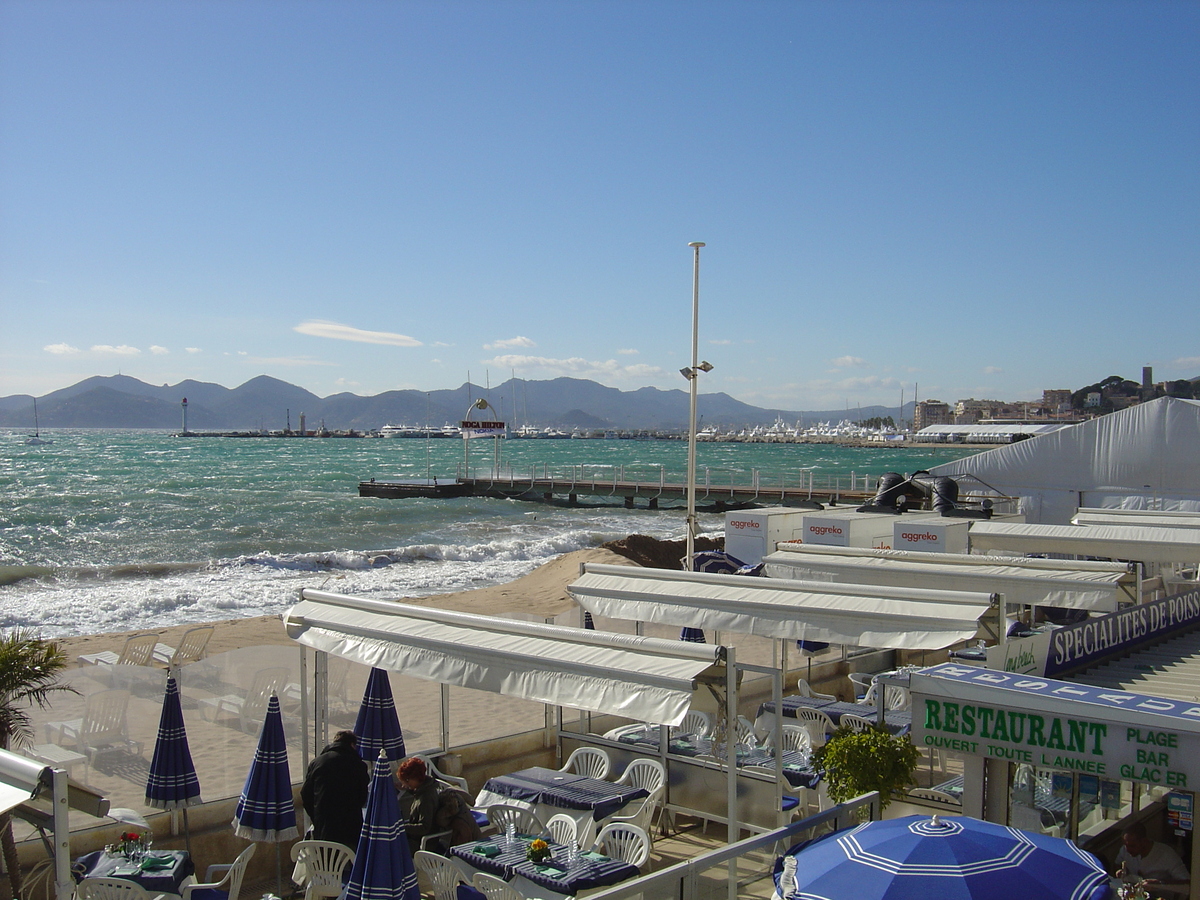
{"x": 979, "y": 199}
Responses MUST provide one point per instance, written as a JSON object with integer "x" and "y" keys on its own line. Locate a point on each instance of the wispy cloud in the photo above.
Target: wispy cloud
{"x": 1184, "y": 362}
{"x": 629, "y": 352}
{"x": 720, "y": 342}
{"x": 287, "y": 361}
{"x": 575, "y": 367}
{"x": 122, "y": 350}
{"x": 338, "y": 332}
{"x": 193, "y": 349}
{"x": 159, "y": 351}
{"x": 60, "y": 349}
{"x": 992, "y": 370}
{"x": 847, "y": 362}
{"x": 510, "y": 344}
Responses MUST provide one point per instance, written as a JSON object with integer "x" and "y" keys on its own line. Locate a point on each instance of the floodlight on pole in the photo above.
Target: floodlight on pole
{"x": 691, "y": 377}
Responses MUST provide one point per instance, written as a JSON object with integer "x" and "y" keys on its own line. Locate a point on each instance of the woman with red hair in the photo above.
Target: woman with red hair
{"x": 430, "y": 807}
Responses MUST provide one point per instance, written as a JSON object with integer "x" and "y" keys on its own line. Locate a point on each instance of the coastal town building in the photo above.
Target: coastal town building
{"x": 931, "y": 412}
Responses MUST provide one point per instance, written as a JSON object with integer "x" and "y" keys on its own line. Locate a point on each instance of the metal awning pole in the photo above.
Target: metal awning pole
{"x": 64, "y": 885}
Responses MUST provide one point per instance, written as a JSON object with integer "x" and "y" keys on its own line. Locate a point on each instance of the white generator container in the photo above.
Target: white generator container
{"x": 850, "y": 528}
{"x": 931, "y": 535}
{"x": 751, "y": 534}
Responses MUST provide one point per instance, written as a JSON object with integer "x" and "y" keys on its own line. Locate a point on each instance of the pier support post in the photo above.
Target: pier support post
{"x": 629, "y": 502}
{"x": 653, "y": 504}
{"x": 572, "y": 498}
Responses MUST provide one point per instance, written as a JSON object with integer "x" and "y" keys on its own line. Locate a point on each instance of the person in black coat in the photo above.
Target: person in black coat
{"x": 335, "y": 791}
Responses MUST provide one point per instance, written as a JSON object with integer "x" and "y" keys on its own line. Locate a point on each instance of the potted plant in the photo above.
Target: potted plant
{"x": 854, "y": 763}
{"x": 539, "y": 851}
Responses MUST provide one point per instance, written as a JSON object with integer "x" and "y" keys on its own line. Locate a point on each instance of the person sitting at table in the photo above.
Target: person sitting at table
{"x": 1141, "y": 859}
{"x": 430, "y": 807}
{"x": 335, "y": 791}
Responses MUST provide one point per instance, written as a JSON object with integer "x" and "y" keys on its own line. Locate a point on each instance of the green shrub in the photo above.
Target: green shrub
{"x": 854, "y": 763}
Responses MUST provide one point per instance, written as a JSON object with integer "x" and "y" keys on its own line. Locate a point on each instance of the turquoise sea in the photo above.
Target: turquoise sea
{"x": 113, "y": 530}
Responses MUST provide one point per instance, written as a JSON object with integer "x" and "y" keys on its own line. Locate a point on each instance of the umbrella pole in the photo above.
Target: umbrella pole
{"x": 187, "y": 832}
{"x": 278, "y": 870}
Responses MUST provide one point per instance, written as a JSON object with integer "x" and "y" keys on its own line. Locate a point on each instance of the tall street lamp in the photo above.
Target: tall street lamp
{"x": 690, "y": 373}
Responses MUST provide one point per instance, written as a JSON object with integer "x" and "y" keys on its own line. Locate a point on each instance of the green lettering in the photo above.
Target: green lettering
{"x": 1000, "y": 729}
{"x": 1097, "y": 730}
{"x": 968, "y": 720}
{"x": 933, "y": 718}
{"x": 1055, "y": 740}
{"x": 985, "y": 713}
{"x": 1078, "y": 736}
{"x": 1016, "y": 727}
{"x": 951, "y": 711}
{"x": 1036, "y": 727}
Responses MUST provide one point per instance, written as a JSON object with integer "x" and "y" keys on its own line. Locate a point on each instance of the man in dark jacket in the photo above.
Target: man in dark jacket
{"x": 335, "y": 791}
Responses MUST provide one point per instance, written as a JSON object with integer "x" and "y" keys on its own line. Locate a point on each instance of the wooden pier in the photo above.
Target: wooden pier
{"x": 630, "y": 493}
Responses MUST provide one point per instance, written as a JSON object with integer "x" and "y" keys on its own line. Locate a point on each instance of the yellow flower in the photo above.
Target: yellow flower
{"x": 539, "y": 844}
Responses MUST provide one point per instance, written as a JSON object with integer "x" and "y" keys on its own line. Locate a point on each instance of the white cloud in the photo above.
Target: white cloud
{"x": 992, "y": 370}
{"x": 345, "y": 382}
{"x": 123, "y": 350}
{"x": 721, "y": 342}
{"x": 575, "y": 367}
{"x": 60, "y": 349}
{"x": 193, "y": 349}
{"x": 510, "y": 344}
{"x": 630, "y": 352}
{"x": 440, "y": 344}
{"x": 339, "y": 332}
{"x": 846, "y": 362}
{"x": 1185, "y": 362}
{"x": 159, "y": 351}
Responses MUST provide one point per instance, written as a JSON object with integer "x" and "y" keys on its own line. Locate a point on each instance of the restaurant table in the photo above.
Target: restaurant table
{"x": 796, "y": 768}
{"x": 554, "y": 875}
{"x": 898, "y": 721}
{"x": 549, "y": 791}
{"x": 162, "y": 872}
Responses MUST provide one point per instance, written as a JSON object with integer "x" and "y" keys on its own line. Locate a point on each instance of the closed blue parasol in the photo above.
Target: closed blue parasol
{"x": 383, "y": 866}
{"x": 694, "y": 635}
{"x": 948, "y": 857}
{"x": 378, "y": 726}
{"x": 172, "y": 783}
{"x": 266, "y": 811}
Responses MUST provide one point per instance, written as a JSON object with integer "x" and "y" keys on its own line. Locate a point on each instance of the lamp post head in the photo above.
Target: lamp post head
{"x": 696, "y": 244}
{"x": 688, "y": 372}
{"x": 705, "y": 366}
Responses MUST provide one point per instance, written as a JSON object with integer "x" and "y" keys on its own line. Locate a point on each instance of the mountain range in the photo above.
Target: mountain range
{"x": 266, "y": 403}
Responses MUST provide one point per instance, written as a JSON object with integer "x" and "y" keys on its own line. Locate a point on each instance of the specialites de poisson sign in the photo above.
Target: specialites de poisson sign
{"x": 1057, "y": 725}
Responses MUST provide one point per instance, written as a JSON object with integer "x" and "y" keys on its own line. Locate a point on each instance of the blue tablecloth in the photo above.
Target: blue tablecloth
{"x": 565, "y": 790}
{"x": 898, "y": 721}
{"x": 166, "y": 880}
{"x": 795, "y": 764}
{"x": 554, "y": 874}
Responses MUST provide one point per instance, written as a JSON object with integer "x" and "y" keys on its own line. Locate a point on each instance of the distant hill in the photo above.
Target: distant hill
{"x": 266, "y": 403}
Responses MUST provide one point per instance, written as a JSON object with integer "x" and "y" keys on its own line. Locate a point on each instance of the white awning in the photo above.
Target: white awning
{"x": 21, "y": 780}
{"x": 1142, "y": 517}
{"x": 1055, "y": 585}
{"x": 1145, "y": 544}
{"x": 865, "y": 616}
{"x": 641, "y": 678}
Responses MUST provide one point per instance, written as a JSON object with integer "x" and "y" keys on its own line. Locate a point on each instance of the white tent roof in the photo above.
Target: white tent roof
{"x": 865, "y": 616}
{"x": 1042, "y": 586}
{"x": 1145, "y": 544}
{"x": 1139, "y": 457}
{"x": 641, "y": 678}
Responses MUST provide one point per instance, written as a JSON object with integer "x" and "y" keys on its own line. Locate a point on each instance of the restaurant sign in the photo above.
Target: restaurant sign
{"x": 1085, "y": 643}
{"x": 1057, "y": 725}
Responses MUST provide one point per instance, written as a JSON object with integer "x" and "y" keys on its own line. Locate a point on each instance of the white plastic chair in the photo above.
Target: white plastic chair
{"x": 695, "y": 722}
{"x": 250, "y": 709}
{"x": 562, "y": 829}
{"x": 817, "y": 723}
{"x": 443, "y": 875}
{"x": 113, "y": 889}
{"x": 325, "y": 864}
{"x": 804, "y": 689}
{"x": 935, "y": 796}
{"x": 627, "y": 843}
{"x": 103, "y": 728}
{"x": 862, "y": 684}
{"x": 526, "y": 820}
{"x": 229, "y": 887}
{"x": 644, "y": 773}
{"x": 138, "y": 651}
{"x": 745, "y": 732}
{"x": 797, "y": 737}
{"x": 192, "y": 644}
{"x": 642, "y": 814}
{"x": 591, "y": 762}
{"x": 855, "y": 723}
{"x": 495, "y": 888}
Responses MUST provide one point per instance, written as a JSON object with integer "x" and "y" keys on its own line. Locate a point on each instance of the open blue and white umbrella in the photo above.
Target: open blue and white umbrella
{"x": 948, "y": 857}
{"x": 172, "y": 783}
{"x": 378, "y": 726}
{"x": 383, "y": 866}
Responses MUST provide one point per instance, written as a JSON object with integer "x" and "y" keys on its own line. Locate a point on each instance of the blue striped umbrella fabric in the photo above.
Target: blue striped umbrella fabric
{"x": 383, "y": 866}
{"x": 266, "y": 811}
{"x": 952, "y": 857}
{"x": 378, "y": 726}
{"x": 588, "y": 622}
{"x": 694, "y": 635}
{"x": 172, "y": 783}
